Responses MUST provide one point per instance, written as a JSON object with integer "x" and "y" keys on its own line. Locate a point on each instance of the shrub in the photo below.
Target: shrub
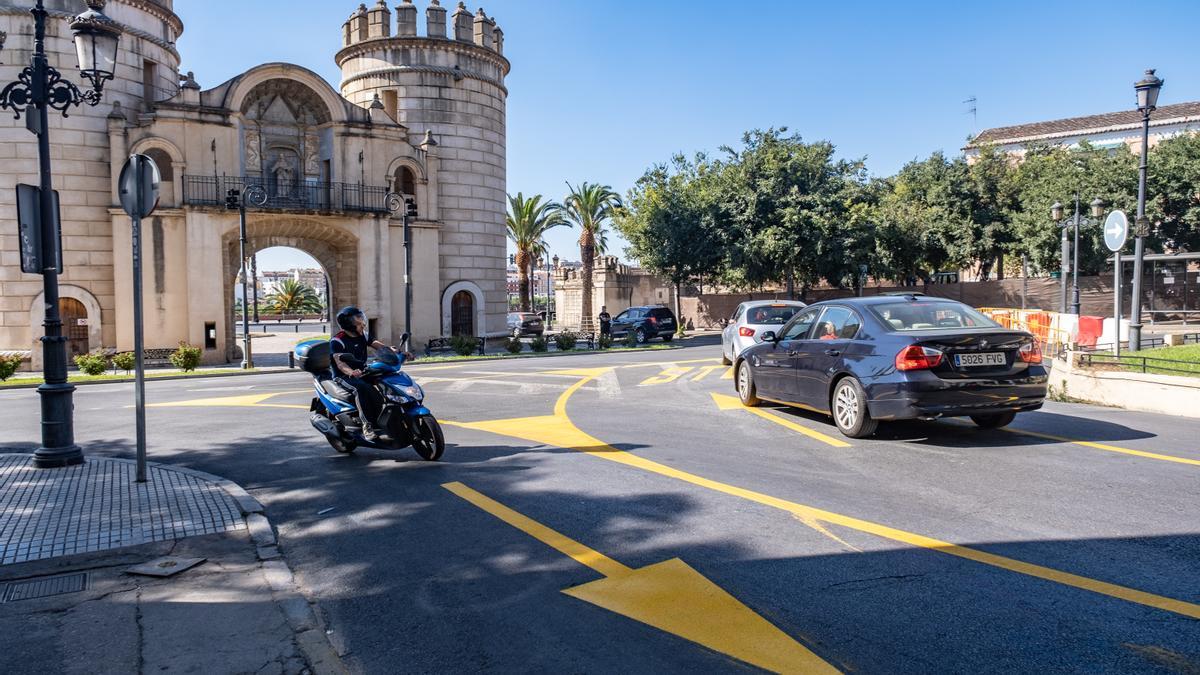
{"x": 92, "y": 363}
{"x": 630, "y": 339}
{"x": 514, "y": 345}
{"x": 125, "y": 361}
{"x": 539, "y": 344}
{"x": 464, "y": 345}
{"x": 605, "y": 341}
{"x": 186, "y": 358}
{"x": 8, "y": 366}
{"x": 565, "y": 341}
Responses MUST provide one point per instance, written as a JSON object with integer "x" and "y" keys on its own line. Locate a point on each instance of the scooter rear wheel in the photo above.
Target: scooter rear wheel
{"x": 428, "y": 440}
{"x": 341, "y": 446}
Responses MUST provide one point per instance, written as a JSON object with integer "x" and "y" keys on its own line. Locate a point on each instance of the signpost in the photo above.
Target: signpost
{"x": 29, "y": 231}
{"x": 1116, "y": 232}
{"x": 139, "y": 188}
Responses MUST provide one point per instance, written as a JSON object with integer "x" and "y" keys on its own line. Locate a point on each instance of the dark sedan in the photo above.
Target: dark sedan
{"x": 521, "y": 324}
{"x": 866, "y": 360}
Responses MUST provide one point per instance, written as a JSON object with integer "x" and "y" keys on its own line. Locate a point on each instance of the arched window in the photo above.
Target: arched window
{"x": 406, "y": 182}
{"x": 163, "y": 160}
{"x": 462, "y": 314}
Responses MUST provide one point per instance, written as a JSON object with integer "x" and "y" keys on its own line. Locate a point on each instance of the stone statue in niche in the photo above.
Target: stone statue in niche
{"x": 253, "y": 153}
{"x": 284, "y": 176}
{"x": 312, "y": 155}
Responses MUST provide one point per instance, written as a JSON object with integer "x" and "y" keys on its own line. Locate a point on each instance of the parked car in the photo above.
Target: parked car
{"x": 521, "y": 324}
{"x": 750, "y": 320}
{"x": 866, "y": 360}
{"x": 646, "y": 323}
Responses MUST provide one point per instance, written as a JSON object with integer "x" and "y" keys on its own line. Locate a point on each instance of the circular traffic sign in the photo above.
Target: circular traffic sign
{"x": 1116, "y": 231}
{"x": 139, "y": 186}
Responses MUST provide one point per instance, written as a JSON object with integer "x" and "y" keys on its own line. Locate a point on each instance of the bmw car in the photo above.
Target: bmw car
{"x": 867, "y": 360}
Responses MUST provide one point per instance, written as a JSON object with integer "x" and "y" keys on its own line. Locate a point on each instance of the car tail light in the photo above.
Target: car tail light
{"x": 653, "y": 321}
{"x": 1030, "y": 352}
{"x": 916, "y": 357}
{"x": 746, "y": 332}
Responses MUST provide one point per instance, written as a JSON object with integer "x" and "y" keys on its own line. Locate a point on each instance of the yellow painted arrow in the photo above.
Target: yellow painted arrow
{"x": 733, "y": 403}
{"x": 670, "y": 596}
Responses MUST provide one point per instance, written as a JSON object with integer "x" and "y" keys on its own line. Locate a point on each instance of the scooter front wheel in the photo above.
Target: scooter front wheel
{"x": 428, "y": 440}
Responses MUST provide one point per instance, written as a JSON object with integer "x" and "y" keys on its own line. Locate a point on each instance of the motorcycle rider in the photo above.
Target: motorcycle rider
{"x": 349, "y": 348}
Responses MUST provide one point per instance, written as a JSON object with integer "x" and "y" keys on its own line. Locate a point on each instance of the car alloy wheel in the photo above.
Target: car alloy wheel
{"x": 640, "y": 336}
{"x": 845, "y": 407}
{"x": 745, "y": 385}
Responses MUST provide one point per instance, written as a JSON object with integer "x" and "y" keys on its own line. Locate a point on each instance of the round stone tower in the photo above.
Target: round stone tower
{"x": 446, "y": 86}
{"x": 147, "y": 73}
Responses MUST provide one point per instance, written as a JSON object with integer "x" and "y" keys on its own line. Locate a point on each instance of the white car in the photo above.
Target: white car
{"x": 750, "y": 321}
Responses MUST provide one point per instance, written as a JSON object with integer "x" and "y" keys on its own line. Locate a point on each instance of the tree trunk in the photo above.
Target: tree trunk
{"x": 791, "y": 284}
{"x": 587, "y": 250}
{"x": 523, "y": 277}
{"x": 678, "y": 312}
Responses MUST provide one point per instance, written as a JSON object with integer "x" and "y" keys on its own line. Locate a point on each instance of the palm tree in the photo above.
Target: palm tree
{"x": 589, "y": 206}
{"x": 528, "y": 220}
{"x": 293, "y": 297}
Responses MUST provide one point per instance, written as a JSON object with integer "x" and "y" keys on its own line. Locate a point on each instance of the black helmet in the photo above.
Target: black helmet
{"x": 345, "y": 318}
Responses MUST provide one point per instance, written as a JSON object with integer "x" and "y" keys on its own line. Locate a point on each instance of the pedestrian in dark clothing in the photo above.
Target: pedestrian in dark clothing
{"x": 605, "y": 322}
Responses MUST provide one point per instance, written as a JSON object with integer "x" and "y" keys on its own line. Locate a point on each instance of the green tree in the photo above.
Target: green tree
{"x": 294, "y": 297}
{"x": 589, "y": 207}
{"x": 1174, "y": 192}
{"x": 671, "y": 223}
{"x": 528, "y": 221}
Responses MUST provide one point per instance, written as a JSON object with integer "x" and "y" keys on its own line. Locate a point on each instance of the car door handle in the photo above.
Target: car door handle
{"x": 832, "y": 352}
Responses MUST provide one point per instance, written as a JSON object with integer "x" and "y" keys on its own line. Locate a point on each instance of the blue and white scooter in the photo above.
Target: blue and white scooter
{"x": 405, "y": 421}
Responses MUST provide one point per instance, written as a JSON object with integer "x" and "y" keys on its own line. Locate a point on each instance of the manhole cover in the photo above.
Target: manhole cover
{"x": 46, "y": 587}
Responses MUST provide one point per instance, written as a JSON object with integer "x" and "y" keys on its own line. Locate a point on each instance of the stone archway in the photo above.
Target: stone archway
{"x": 452, "y": 300}
{"x": 89, "y": 305}
{"x": 333, "y": 247}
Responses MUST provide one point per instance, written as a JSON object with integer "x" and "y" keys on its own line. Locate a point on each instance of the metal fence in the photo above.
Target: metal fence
{"x": 1143, "y": 364}
{"x": 288, "y": 195}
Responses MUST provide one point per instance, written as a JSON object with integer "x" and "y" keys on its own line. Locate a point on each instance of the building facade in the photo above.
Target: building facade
{"x": 1109, "y": 130}
{"x": 409, "y": 120}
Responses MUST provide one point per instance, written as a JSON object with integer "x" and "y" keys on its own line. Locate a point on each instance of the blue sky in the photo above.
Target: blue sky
{"x": 601, "y": 90}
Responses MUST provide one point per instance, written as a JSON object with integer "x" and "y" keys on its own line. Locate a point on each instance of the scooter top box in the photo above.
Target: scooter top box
{"x": 314, "y": 356}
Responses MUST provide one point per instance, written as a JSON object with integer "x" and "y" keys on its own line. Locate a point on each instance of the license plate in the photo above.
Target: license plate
{"x": 668, "y": 322}
{"x": 980, "y": 360}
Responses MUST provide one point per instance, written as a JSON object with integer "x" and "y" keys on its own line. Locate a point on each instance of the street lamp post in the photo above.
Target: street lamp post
{"x": 1076, "y": 221}
{"x": 236, "y": 199}
{"x": 550, "y": 310}
{"x": 1147, "y": 94}
{"x": 41, "y": 87}
{"x": 407, "y": 208}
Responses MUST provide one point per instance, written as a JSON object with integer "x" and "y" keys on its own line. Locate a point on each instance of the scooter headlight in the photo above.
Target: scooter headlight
{"x": 412, "y": 392}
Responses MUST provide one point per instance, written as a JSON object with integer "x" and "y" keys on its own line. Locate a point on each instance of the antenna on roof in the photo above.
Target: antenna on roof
{"x": 973, "y": 111}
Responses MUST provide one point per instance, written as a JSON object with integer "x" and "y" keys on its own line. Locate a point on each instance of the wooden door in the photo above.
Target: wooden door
{"x": 462, "y": 314}
{"x": 75, "y": 325}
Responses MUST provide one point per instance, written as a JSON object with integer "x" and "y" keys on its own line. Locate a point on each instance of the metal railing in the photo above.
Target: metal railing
{"x": 154, "y": 94}
{"x": 1143, "y": 364}
{"x": 302, "y": 195}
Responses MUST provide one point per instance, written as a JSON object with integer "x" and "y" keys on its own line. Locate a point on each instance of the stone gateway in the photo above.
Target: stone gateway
{"x": 417, "y": 116}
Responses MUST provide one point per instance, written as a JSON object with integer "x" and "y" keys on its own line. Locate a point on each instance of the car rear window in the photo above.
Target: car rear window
{"x": 904, "y": 316}
{"x": 661, "y": 313}
{"x": 771, "y": 315}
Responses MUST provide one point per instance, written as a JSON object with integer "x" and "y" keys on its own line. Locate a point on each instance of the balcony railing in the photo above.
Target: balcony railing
{"x": 288, "y": 195}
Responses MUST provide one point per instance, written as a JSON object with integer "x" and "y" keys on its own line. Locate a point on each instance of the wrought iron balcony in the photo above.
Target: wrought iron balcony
{"x": 300, "y": 195}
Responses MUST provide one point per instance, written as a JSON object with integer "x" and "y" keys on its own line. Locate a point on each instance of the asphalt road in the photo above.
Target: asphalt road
{"x": 1069, "y": 543}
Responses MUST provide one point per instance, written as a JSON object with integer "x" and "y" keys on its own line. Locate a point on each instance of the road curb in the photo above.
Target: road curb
{"x": 164, "y": 378}
{"x": 309, "y": 630}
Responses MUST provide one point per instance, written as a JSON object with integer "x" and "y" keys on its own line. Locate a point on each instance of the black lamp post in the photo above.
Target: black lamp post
{"x": 550, "y": 291}
{"x": 236, "y": 199}
{"x": 41, "y": 87}
{"x": 1147, "y": 95}
{"x": 1076, "y": 221}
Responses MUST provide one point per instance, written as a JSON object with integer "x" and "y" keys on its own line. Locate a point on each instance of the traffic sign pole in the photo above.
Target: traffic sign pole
{"x": 140, "y": 181}
{"x": 1117, "y": 302}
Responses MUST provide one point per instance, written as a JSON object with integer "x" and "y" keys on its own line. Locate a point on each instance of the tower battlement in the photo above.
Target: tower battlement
{"x": 376, "y": 23}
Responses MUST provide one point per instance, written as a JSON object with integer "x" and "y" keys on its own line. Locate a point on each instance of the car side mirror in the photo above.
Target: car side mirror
{"x": 770, "y": 336}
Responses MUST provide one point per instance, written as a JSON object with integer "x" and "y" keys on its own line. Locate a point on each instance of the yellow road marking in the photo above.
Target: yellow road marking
{"x": 705, "y": 371}
{"x": 1106, "y": 447}
{"x": 660, "y": 364}
{"x": 732, "y": 403}
{"x": 670, "y": 596}
{"x": 728, "y": 374}
{"x": 558, "y": 430}
{"x": 248, "y": 400}
{"x": 670, "y": 373}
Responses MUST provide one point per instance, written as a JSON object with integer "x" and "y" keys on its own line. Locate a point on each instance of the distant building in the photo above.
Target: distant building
{"x": 1109, "y": 130}
{"x": 268, "y": 282}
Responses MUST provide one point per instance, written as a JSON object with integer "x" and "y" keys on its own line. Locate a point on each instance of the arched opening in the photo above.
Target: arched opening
{"x": 406, "y": 184}
{"x": 462, "y": 314}
{"x": 79, "y": 312}
{"x": 288, "y": 255}
{"x": 289, "y": 299}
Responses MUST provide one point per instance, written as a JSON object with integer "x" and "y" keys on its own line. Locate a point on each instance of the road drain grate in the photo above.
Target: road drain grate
{"x": 46, "y": 587}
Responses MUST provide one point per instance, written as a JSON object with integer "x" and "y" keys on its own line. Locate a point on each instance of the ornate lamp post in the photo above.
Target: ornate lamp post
{"x": 237, "y": 199}
{"x": 41, "y": 87}
{"x": 1076, "y": 221}
{"x": 1147, "y": 95}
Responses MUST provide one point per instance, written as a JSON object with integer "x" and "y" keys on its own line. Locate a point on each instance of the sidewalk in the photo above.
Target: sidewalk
{"x": 68, "y": 538}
